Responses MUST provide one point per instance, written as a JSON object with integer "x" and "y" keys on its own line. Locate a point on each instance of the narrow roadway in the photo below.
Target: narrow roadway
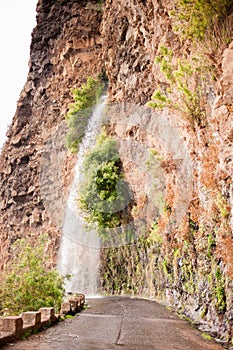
{"x": 115, "y": 323}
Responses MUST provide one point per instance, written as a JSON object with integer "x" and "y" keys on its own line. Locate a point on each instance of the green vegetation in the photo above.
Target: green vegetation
{"x": 211, "y": 244}
{"x": 208, "y": 26}
{"x": 27, "y": 334}
{"x": 100, "y": 5}
{"x": 103, "y": 194}
{"x": 220, "y": 291}
{"x": 223, "y": 206}
{"x": 79, "y": 112}
{"x": 154, "y": 238}
{"x": 154, "y": 160}
{"x": 123, "y": 270}
{"x": 204, "y": 312}
{"x": 183, "y": 89}
{"x": 206, "y": 336}
{"x": 147, "y": 265}
{"x": 27, "y": 284}
{"x": 194, "y": 19}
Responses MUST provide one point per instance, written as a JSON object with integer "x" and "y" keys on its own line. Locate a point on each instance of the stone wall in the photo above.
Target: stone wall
{"x": 16, "y": 327}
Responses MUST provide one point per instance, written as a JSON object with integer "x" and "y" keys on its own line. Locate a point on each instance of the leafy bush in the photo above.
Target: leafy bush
{"x": 193, "y": 18}
{"x": 209, "y": 27}
{"x": 79, "y": 112}
{"x": 220, "y": 294}
{"x": 104, "y": 194}
{"x": 26, "y": 283}
{"x": 183, "y": 91}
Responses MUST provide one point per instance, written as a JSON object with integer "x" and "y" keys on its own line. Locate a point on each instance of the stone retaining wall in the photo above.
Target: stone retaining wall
{"x": 15, "y": 327}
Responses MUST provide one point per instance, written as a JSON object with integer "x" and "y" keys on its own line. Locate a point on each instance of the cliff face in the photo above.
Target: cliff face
{"x": 136, "y": 29}
{"x": 188, "y": 259}
{"x": 191, "y": 263}
{"x": 65, "y": 49}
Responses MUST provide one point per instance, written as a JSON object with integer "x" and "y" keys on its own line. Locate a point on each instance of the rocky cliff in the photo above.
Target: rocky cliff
{"x": 65, "y": 49}
{"x": 190, "y": 261}
{"x": 185, "y": 255}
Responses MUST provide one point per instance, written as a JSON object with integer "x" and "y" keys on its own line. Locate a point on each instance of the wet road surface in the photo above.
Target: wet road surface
{"x": 115, "y": 323}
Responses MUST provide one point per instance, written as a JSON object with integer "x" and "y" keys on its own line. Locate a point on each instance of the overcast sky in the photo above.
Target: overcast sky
{"x": 17, "y": 19}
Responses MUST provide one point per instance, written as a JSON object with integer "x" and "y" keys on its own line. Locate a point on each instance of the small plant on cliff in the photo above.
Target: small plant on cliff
{"x": 194, "y": 19}
{"x": 223, "y": 206}
{"x": 103, "y": 192}
{"x": 154, "y": 237}
{"x": 79, "y": 112}
{"x": 183, "y": 88}
{"x": 208, "y": 26}
{"x": 100, "y": 5}
{"x": 220, "y": 294}
{"x": 26, "y": 283}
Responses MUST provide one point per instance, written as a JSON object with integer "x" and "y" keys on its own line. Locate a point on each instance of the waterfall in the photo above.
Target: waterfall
{"x": 79, "y": 250}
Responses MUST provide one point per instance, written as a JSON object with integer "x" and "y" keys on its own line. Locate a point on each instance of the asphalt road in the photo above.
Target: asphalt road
{"x": 115, "y": 323}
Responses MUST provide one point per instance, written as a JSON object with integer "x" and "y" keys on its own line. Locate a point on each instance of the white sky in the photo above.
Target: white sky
{"x": 17, "y": 19}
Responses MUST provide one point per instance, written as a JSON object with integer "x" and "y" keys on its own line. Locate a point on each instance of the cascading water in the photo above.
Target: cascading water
{"x": 79, "y": 251}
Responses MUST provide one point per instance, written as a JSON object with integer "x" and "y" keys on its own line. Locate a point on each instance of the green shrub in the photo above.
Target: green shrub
{"x": 211, "y": 244}
{"x": 208, "y": 25}
{"x": 103, "y": 193}
{"x": 192, "y": 19}
{"x": 26, "y": 283}
{"x": 223, "y": 206}
{"x": 79, "y": 112}
{"x": 183, "y": 91}
{"x": 220, "y": 294}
